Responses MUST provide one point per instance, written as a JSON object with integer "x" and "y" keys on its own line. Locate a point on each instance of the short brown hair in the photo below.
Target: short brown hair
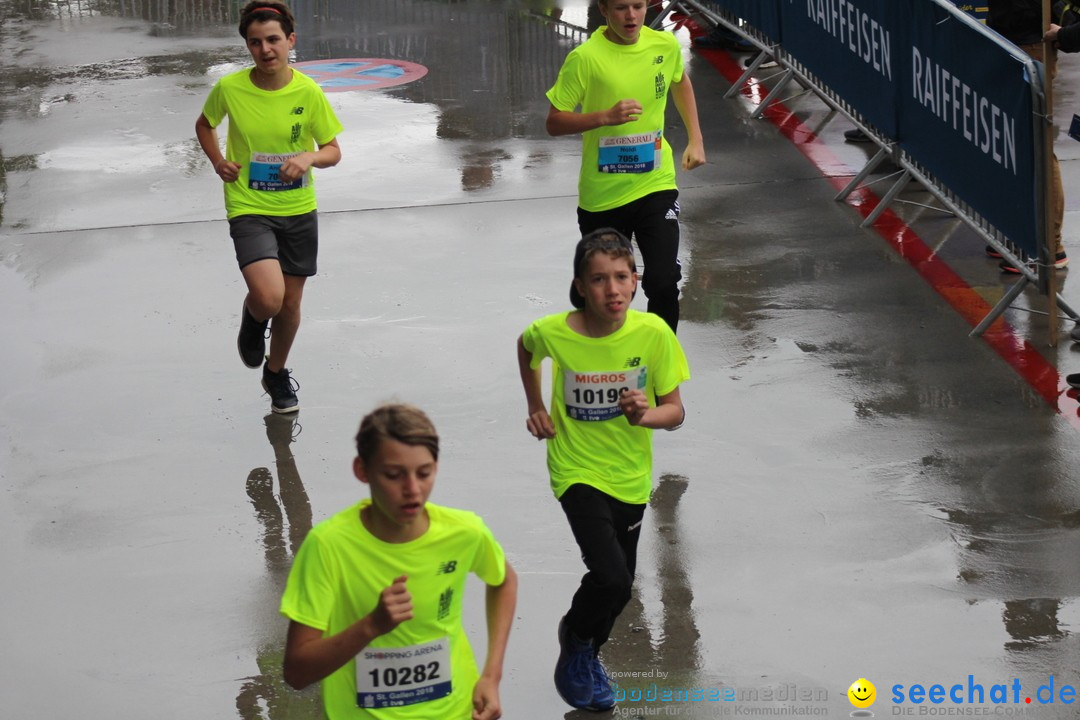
{"x": 263, "y": 11}
{"x": 395, "y": 421}
{"x": 603, "y": 240}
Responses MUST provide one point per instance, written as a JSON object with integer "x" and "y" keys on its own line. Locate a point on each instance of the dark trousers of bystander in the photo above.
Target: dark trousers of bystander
{"x": 607, "y": 531}
{"x": 1057, "y": 189}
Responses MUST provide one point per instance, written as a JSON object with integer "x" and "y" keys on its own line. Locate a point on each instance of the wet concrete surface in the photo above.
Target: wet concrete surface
{"x": 860, "y": 489}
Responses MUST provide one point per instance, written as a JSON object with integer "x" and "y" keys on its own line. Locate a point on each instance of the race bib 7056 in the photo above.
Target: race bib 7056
{"x": 629, "y": 153}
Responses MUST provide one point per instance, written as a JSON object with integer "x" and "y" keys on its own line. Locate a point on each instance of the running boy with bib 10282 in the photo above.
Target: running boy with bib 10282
{"x": 620, "y": 79}
{"x": 376, "y": 592}
{"x": 616, "y": 376}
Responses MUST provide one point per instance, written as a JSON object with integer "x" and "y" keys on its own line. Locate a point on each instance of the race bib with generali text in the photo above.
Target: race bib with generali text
{"x": 594, "y": 396}
{"x": 629, "y": 153}
{"x": 263, "y": 172}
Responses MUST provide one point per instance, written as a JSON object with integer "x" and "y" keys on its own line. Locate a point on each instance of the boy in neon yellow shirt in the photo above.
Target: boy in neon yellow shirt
{"x": 620, "y": 78}
{"x": 608, "y": 364}
{"x": 277, "y": 117}
{"x": 376, "y": 592}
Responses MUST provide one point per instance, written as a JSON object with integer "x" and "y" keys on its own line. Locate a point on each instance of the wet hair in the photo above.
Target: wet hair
{"x": 262, "y": 11}
{"x": 395, "y": 421}
{"x": 605, "y": 240}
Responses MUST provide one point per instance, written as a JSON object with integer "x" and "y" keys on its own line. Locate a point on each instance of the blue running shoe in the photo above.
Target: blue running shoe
{"x": 573, "y": 672}
{"x": 603, "y": 697}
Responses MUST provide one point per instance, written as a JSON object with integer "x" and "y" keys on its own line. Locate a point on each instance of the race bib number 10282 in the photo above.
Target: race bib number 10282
{"x": 393, "y": 677}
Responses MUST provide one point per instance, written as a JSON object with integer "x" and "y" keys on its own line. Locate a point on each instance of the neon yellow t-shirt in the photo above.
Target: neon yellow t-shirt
{"x": 265, "y": 128}
{"x": 594, "y": 443}
{"x": 424, "y": 669}
{"x": 621, "y": 163}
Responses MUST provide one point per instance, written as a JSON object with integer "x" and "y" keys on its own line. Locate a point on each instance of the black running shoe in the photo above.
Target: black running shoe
{"x": 251, "y": 341}
{"x": 282, "y": 389}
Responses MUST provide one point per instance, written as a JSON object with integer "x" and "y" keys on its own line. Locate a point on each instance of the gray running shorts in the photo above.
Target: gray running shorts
{"x": 292, "y": 240}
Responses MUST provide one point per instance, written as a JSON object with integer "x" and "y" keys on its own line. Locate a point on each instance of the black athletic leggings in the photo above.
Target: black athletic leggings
{"x": 607, "y": 532}
{"x": 653, "y": 223}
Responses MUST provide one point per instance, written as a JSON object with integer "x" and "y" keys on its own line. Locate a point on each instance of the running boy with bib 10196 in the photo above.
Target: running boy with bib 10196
{"x": 620, "y": 78}
{"x": 609, "y": 364}
{"x": 277, "y": 117}
{"x": 376, "y": 592}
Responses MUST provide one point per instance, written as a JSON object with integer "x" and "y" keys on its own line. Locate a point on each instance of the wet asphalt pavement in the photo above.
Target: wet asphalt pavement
{"x": 860, "y": 489}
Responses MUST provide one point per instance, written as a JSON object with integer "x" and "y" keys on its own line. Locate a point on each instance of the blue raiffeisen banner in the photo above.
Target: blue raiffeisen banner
{"x": 764, "y": 15}
{"x": 854, "y": 48}
{"x": 966, "y": 114}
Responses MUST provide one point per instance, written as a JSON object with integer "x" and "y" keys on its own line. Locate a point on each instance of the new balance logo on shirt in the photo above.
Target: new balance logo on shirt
{"x": 447, "y": 567}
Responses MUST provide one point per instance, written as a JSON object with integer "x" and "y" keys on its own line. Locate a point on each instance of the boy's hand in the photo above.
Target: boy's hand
{"x": 294, "y": 168}
{"x": 485, "y": 700}
{"x": 539, "y": 424}
{"x": 394, "y": 608}
{"x": 228, "y": 171}
{"x": 633, "y": 404}
{"x": 622, "y": 112}
{"x": 693, "y": 156}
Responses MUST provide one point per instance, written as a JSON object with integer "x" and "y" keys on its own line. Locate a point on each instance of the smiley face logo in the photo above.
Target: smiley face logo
{"x": 862, "y": 693}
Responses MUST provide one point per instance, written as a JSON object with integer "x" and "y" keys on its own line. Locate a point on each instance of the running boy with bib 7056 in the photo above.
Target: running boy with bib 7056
{"x": 620, "y": 78}
{"x": 376, "y": 592}
{"x": 609, "y": 363}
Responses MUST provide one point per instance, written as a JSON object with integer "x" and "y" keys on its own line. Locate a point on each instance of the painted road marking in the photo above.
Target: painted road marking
{"x": 345, "y": 74}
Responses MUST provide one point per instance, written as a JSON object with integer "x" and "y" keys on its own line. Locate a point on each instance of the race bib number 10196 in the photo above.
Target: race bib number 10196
{"x": 594, "y": 396}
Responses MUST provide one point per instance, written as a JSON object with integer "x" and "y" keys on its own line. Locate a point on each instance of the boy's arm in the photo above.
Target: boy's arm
{"x": 208, "y": 140}
{"x": 310, "y": 657}
{"x": 539, "y": 422}
{"x": 686, "y": 104}
{"x": 668, "y": 414}
{"x": 568, "y": 122}
{"x": 500, "y": 602}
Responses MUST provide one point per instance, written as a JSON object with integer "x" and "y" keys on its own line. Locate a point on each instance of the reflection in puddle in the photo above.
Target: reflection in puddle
{"x": 266, "y": 696}
{"x": 281, "y": 432}
{"x": 167, "y": 16}
{"x": 673, "y": 647}
{"x": 1031, "y": 622}
{"x": 1011, "y": 555}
